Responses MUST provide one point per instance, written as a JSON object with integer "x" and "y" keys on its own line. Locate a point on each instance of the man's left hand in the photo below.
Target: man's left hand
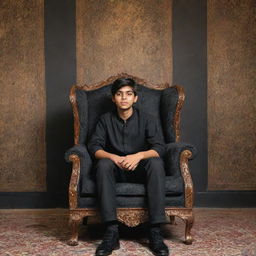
{"x": 130, "y": 162}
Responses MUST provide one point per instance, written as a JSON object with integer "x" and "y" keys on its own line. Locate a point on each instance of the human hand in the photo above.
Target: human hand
{"x": 130, "y": 162}
{"x": 117, "y": 160}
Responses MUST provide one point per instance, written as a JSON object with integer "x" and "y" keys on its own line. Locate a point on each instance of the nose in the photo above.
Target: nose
{"x": 123, "y": 95}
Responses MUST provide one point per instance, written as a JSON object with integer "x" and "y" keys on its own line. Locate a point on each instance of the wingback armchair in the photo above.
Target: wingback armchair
{"x": 164, "y": 103}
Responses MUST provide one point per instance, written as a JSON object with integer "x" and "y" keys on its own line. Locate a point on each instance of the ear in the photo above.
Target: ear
{"x": 135, "y": 99}
{"x": 113, "y": 99}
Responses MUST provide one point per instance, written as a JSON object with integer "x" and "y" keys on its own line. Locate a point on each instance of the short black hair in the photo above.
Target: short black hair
{"x": 121, "y": 82}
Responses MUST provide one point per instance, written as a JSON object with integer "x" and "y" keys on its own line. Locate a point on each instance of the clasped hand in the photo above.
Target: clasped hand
{"x": 129, "y": 162}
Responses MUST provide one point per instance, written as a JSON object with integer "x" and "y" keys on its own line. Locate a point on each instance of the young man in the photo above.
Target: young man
{"x": 128, "y": 147}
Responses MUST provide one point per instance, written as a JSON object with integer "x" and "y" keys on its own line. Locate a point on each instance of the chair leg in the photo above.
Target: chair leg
{"x": 75, "y": 221}
{"x": 189, "y": 224}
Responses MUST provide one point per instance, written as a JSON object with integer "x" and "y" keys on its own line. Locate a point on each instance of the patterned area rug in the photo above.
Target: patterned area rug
{"x": 217, "y": 232}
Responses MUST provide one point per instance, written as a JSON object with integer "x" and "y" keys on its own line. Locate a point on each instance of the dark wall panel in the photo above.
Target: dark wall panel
{"x": 190, "y": 70}
{"x": 60, "y": 75}
{"x": 22, "y": 82}
{"x": 124, "y": 36}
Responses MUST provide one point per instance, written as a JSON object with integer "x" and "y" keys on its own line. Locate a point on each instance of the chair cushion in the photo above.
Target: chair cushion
{"x": 173, "y": 186}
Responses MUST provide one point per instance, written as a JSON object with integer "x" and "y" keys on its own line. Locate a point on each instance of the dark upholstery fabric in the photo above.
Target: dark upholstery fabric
{"x": 172, "y": 158}
{"x": 99, "y": 102}
{"x": 82, "y": 105}
{"x": 79, "y": 150}
{"x": 159, "y": 103}
{"x": 132, "y": 201}
{"x": 173, "y": 186}
{"x": 85, "y": 160}
{"x": 169, "y": 101}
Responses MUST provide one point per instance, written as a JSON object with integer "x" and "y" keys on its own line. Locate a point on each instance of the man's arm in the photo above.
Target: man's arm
{"x": 130, "y": 162}
{"x": 98, "y": 139}
{"x": 99, "y": 154}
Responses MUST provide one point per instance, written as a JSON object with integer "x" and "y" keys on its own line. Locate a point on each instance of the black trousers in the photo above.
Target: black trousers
{"x": 149, "y": 171}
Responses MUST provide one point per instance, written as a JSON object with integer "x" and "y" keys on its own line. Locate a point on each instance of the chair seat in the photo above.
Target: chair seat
{"x": 173, "y": 186}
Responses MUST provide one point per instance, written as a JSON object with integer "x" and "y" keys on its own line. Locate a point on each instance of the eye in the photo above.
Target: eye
{"x": 118, "y": 94}
{"x": 130, "y": 93}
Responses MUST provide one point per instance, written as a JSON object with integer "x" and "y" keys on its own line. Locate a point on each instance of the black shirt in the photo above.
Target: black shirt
{"x": 139, "y": 132}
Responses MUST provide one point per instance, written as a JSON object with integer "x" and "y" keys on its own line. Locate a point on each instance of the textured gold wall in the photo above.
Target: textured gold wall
{"x": 131, "y": 36}
{"x": 22, "y": 115}
{"x": 232, "y": 94}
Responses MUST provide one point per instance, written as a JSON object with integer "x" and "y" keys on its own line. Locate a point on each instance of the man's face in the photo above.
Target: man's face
{"x": 124, "y": 98}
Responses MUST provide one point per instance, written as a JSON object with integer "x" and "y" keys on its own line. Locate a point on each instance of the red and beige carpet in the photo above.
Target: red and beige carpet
{"x": 217, "y": 232}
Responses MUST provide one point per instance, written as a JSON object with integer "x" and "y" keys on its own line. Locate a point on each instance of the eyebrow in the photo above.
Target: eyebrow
{"x": 125, "y": 91}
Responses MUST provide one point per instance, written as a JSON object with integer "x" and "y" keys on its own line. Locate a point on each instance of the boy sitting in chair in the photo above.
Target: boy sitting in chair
{"x": 128, "y": 147}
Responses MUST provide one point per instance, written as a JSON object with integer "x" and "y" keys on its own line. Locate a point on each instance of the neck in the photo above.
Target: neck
{"x": 125, "y": 114}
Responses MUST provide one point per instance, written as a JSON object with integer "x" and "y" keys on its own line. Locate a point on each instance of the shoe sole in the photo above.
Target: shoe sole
{"x": 115, "y": 248}
{"x": 158, "y": 254}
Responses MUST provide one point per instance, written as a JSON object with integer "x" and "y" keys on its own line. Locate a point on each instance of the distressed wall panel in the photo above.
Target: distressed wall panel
{"x": 129, "y": 36}
{"x": 22, "y": 115}
{"x": 231, "y": 94}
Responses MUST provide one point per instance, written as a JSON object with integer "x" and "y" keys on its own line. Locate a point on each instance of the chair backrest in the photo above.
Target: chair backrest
{"x": 161, "y": 101}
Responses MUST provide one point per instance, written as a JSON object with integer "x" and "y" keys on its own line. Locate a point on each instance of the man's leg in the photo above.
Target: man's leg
{"x": 106, "y": 186}
{"x": 155, "y": 182}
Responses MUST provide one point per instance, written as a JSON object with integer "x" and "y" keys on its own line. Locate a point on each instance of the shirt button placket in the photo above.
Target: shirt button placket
{"x": 124, "y": 136}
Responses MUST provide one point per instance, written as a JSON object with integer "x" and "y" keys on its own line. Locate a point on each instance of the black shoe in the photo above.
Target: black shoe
{"x": 156, "y": 244}
{"x": 109, "y": 243}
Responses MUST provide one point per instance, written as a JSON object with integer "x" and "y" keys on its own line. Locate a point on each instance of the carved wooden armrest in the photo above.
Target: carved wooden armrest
{"x": 74, "y": 181}
{"x": 189, "y": 191}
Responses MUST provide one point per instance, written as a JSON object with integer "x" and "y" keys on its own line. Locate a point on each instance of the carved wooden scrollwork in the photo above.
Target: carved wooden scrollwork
{"x": 75, "y": 220}
{"x": 189, "y": 195}
{"x": 120, "y": 75}
{"x": 132, "y": 216}
{"x": 176, "y": 120}
{"x": 187, "y": 215}
{"x": 74, "y": 181}
{"x": 72, "y": 98}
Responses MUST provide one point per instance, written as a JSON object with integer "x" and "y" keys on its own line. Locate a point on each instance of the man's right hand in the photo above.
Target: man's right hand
{"x": 117, "y": 160}
{"x": 99, "y": 154}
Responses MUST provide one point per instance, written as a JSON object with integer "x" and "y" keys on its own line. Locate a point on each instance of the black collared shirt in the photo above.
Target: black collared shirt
{"x": 138, "y": 133}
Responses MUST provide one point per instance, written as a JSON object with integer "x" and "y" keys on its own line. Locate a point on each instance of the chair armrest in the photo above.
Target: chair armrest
{"x": 79, "y": 150}
{"x": 74, "y": 180}
{"x": 81, "y": 167}
{"x": 178, "y": 155}
{"x": 173, "y": 153}
{"x": 177, "y": 147}
{"x": 84, "y": 156}
{"x": 188, "y": 182}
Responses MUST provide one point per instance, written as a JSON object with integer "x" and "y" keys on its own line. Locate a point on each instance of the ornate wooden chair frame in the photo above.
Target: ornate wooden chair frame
{"x": 130, "y": 216}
